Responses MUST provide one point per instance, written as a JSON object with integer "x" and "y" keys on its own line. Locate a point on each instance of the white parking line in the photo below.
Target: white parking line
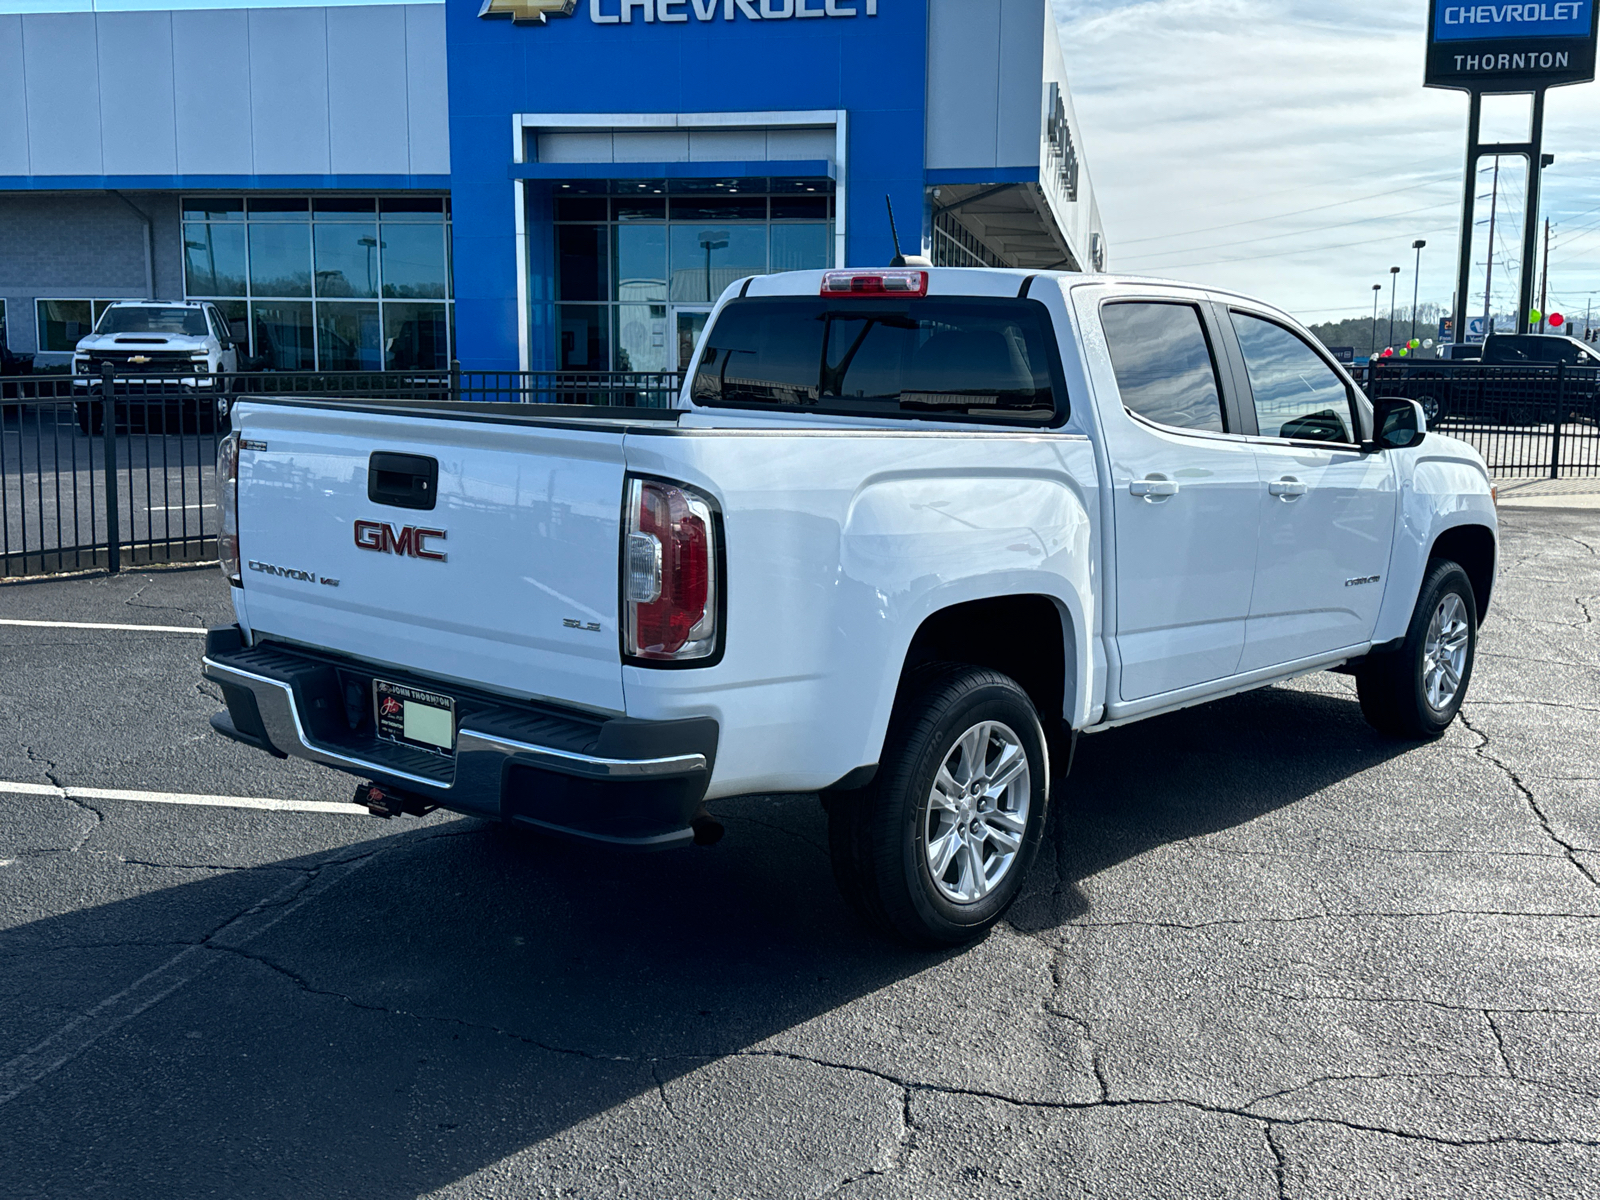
{"x": 101, "y": 625}
{"x": 84, "y": 793}
{"x": 76, "y": 1036}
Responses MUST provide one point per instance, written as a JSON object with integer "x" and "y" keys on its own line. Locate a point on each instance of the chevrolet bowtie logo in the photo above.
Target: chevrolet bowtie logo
{"x": 523, "y": 12}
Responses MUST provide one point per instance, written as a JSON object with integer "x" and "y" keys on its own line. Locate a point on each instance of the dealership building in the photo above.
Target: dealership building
{"x": 516, "y": 184}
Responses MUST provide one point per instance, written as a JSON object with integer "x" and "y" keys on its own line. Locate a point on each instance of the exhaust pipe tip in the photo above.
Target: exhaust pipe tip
{"x": 708, "y": 831}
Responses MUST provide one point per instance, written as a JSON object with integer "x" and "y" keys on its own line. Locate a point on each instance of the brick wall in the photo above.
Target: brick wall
{"x": 81, "y": 245}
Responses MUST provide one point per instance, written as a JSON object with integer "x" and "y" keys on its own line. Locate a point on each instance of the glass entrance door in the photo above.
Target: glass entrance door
{"x": 690, "y": 322}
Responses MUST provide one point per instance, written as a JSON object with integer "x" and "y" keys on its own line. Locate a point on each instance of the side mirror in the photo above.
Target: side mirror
{"x": 1400, "y": 423}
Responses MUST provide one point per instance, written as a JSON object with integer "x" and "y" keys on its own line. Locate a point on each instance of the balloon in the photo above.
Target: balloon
{"x": 1427, "y": 343}
{"x": 1534, "y": 315}
{"x": 1413, "y": 344}
{"x": 1557, "y": 320}
{"x": 1404, "y": 350}
{"x": 1388, "y": 352}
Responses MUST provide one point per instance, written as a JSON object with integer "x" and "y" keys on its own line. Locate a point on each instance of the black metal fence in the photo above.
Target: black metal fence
{"x": 74, "y": 467}
{"x": 1524, "y": 420}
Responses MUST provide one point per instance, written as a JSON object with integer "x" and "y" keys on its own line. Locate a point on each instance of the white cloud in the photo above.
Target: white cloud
{"x": 1245, "y": 114}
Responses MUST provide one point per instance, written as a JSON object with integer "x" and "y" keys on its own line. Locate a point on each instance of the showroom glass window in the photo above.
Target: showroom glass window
{"x": 638, "y": 264}
{"x": 60, "y": 323}
{"x": 331, "y": 283}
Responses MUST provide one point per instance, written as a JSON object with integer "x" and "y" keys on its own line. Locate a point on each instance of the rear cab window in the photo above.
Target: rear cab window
{"x": 965, "y": 358}
{"x": 1162, "y": 358}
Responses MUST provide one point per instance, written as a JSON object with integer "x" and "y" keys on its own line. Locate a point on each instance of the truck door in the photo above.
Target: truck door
{"x": 1185, "y": 499}
{"x": 1327, "y": 509}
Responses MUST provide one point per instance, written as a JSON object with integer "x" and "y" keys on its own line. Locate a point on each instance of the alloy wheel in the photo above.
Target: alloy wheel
{"x": 977, "y": 812}
{"x": 1444, "y": 652}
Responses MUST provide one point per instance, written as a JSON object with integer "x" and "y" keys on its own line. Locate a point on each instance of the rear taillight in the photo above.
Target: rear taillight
{"x": 669, "y": 589}
{"x": 891, "y": 282}
{"x": 228, "y": 498}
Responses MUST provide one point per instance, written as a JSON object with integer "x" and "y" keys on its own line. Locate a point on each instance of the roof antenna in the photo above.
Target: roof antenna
{"x": 902, "y": 260}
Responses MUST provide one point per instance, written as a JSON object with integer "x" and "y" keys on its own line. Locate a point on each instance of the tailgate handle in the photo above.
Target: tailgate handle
{"x": 403, "y": 480}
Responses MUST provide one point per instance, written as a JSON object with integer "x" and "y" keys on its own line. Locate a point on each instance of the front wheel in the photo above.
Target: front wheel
{"x": 1416, "y": 691}
{"x": 936, "y": 848}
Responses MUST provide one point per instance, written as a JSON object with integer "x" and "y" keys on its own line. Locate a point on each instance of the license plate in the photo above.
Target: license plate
{"x": 411, "y": 717}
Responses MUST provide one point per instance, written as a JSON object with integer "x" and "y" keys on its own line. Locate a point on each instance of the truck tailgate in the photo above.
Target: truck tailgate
{"x": 508, "y": 581}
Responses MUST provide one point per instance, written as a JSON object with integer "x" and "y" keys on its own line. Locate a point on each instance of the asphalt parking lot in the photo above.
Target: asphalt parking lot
{"x": 1267, "y": 953}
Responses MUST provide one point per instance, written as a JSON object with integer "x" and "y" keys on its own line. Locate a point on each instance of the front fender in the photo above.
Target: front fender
{"x": 1443, "y": 485}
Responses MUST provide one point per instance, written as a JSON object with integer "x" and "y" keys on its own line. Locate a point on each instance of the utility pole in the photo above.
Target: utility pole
{"x": 1488, "y": 277}
{"x": 1394, "y": 276}
{"x": 1377, "y": 290}
{"x": 1544, "y": 276}
{"x": 1416, "y": 277}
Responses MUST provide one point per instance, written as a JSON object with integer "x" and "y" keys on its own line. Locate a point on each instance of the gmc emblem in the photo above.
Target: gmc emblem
{"x": 380, "y": 536}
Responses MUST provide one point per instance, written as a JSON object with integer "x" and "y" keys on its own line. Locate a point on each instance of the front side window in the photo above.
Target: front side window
{"x": 963, "y": 357}
{"x": 1163, "y": 364}
{"x": 1297, "y": 395}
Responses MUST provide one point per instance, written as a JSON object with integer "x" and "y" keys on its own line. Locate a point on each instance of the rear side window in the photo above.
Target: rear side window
{"x": 936, "y": 356}
{"x": 1297, "y": 395}
{"x": 1163, "y": 363}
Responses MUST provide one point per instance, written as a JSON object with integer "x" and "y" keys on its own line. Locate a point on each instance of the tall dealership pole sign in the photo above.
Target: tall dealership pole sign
{"x": 1488, "y": 49}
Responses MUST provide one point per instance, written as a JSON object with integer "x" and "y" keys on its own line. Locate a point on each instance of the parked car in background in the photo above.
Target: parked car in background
{"x": 172, "y": 349}
{"x": 906, "y": 534}
{"x": 1538, "y": 349}
{"x": 1508, "y": 380}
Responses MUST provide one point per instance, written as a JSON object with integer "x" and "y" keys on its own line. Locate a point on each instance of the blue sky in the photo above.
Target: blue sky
{"x": 1288, "y": 149}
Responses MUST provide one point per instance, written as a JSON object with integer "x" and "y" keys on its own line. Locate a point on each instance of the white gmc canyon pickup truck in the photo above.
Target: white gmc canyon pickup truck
{"x": 905, "y": 534}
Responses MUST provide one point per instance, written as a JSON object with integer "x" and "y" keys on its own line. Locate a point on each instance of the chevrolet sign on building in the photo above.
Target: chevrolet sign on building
{"x": 1510, "y": 47}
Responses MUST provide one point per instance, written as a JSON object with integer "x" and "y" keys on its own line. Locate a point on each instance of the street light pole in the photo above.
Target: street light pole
{"x": 1377, "y": 290}
{"x": 1394, "y": 278}
{"x": 1416, "y": 277}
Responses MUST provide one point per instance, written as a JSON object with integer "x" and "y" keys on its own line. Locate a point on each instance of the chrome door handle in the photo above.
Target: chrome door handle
{"x": 1152, "y": 488}
{"x": 1286, "y": 489}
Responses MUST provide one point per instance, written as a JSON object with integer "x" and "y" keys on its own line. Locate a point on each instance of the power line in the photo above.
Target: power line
{"x": 1302, "y": 250}
{"x": 1301, "y": 187}
{"x": 1267, "y": 237}
{"x": 1279, "y": 216}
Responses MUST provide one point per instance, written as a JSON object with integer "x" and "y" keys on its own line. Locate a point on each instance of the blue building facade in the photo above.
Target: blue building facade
{"x": 593, "y": 172}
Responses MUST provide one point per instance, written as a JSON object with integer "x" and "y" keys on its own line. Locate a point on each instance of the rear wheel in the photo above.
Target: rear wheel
{"x": 936, "y": 848}
{"x": 1416, "y": 691}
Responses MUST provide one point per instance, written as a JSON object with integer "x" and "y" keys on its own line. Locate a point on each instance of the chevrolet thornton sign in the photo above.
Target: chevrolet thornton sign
{"x": 1510, "y": 47}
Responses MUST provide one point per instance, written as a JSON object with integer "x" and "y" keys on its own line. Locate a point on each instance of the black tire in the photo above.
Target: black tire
{"x": 878, "y": 835}
{"x": 1393, "y": 688}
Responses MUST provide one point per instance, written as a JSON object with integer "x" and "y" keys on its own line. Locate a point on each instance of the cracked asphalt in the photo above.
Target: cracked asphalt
{"x": 1267, "y": 953}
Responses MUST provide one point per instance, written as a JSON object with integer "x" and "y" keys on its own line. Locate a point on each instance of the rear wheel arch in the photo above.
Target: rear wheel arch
{"x": 1472, "y": 547}
{"x": 1029, "y": 637}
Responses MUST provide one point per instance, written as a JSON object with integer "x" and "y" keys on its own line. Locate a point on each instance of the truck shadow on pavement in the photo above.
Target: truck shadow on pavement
{"x": 469, "y": 994}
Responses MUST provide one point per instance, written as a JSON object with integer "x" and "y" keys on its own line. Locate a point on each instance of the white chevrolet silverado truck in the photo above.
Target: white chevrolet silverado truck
{"x": 904, "y": 536}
